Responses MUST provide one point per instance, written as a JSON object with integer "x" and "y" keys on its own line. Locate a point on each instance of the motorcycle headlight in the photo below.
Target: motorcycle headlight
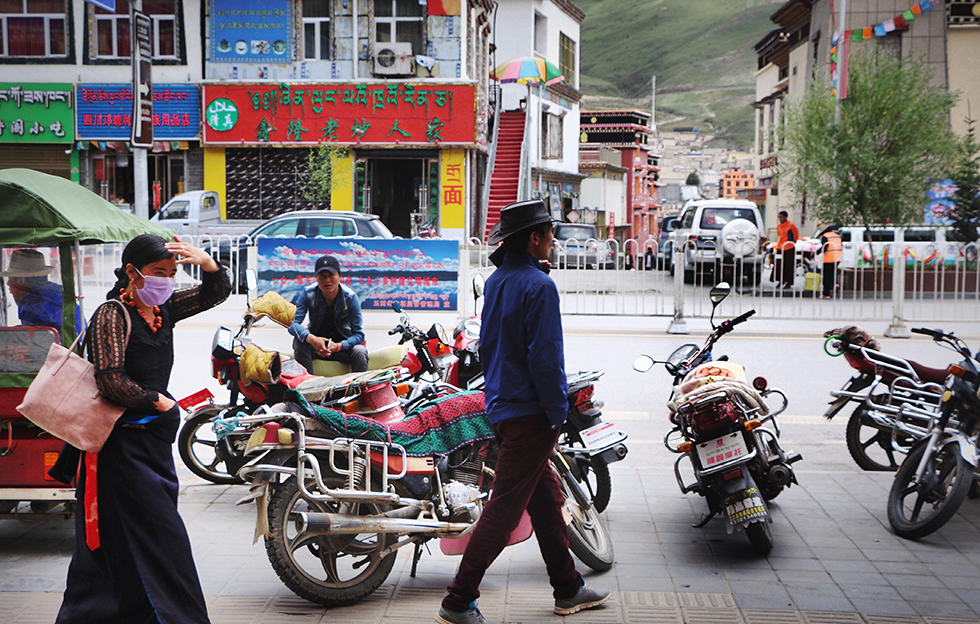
{"x": 472, "y": 328}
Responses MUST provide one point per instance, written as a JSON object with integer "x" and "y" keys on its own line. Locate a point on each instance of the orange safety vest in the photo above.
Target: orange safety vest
{"x": 834, "y": 250}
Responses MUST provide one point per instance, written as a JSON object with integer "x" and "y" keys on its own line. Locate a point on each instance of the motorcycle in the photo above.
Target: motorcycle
{"x": 585, "y": 437}
{"x": 719, "y": 427}
{"x": 940, "y": 469}
{"x": 340, "y": 488}
{"x": 872, "y": 439}
{"x": 216, "y": 456}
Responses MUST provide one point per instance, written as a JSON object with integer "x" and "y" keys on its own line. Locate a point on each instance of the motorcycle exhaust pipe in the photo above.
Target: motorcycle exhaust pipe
{"x": 779, "y": 475}
{"x": 317, "y": 523}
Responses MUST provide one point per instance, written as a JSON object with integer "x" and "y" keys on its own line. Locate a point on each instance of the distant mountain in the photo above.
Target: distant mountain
{"x": 701, "y": 52}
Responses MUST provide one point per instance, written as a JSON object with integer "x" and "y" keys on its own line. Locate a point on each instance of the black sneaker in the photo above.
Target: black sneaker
{"x": 470, "y": 616}
{"x": 586, "y": 598}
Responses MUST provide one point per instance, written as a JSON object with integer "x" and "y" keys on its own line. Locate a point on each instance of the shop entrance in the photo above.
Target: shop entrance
{"x": 396, "y": 186}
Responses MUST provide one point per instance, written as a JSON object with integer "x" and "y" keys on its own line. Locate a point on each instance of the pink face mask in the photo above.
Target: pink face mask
{"x": 156, "y": 290}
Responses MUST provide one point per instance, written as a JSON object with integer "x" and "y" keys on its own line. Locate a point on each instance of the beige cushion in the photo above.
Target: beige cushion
{"x": 382, "y": 358}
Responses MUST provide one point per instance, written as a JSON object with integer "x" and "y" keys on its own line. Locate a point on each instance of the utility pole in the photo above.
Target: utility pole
{"x": 842, "y": 50}
{"x": 141, "y": 136}
{"x": 653, "y": 108}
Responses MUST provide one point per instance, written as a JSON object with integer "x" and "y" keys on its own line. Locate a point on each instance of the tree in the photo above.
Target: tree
{"x": 965, "y": 214}
{"x": 693, "y": 179}
{"x": 876, "y": 164}
{"x": 318, "y": 178}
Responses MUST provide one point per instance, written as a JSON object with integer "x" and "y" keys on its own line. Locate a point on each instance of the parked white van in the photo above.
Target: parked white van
{"x": 925, "y": 244}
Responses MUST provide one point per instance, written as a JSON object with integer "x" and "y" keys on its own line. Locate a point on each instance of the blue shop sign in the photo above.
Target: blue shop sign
{"x": 251, "y": 32}
{"x": 104, "y": 112}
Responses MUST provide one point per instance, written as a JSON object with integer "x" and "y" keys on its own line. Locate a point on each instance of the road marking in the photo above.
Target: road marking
{"x": 618, "y": 416}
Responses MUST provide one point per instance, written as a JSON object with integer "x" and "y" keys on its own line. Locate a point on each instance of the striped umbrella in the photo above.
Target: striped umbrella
{"x": 527, "y": 69}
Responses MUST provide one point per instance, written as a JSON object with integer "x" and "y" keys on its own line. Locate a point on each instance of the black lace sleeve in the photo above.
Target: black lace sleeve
{"x": 107, "y": 352}
{"x": 213, "y": 289}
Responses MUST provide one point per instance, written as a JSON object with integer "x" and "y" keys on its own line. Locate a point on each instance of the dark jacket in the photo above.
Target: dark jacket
{"x": 346, "y": 315}
{"x": 521, "y": 343}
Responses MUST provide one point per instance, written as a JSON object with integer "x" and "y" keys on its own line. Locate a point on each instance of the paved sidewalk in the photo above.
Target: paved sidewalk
{"x": 834, "y": 561}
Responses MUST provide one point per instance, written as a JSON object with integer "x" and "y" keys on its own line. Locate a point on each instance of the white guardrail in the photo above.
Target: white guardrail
{"x": 606, "y": 277}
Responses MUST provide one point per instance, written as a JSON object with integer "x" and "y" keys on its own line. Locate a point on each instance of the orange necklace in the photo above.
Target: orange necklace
{"x": 157, "y": 321}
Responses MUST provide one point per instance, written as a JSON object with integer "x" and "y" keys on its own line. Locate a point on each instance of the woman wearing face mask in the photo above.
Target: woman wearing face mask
{"x": 132, "y": 561}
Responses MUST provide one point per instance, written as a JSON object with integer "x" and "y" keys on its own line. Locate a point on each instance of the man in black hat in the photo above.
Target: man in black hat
{"x": 336, "y": 330}
{"x": 522, "y": 350}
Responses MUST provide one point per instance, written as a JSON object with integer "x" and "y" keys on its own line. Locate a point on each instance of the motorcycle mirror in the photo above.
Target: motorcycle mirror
{"x": 643, "y": 363}
{"x": 479, "y": 281}
{"x": 720, "y": 292}
{"x": 396, "y": 307}
{"x": 251, "y": 280}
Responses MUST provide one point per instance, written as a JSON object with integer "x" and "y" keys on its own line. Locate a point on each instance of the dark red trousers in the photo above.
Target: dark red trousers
{"x": 524, "y": 480}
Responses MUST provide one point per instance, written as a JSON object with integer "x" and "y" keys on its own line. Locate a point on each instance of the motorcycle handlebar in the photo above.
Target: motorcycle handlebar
{"x": 925, "y": 331}
{"x": 730, "y": 324}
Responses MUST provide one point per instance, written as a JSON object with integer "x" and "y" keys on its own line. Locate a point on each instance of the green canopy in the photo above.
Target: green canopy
{"x": 38, "y": 209}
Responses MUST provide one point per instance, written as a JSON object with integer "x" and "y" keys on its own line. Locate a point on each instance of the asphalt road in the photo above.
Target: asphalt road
{"x": 835, "y": 559}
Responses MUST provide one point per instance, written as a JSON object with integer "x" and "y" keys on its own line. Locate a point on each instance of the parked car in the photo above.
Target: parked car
{"x": 925, "y": 244}
{"x": 665, "y": 246}
{"x": 232, "y": 252}
{"x": 578, "y": 246}
{"x": 199, "y": 213}
{"x": 720, "y": 234}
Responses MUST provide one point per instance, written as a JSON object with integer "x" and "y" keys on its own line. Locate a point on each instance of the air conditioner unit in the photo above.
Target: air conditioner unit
{"x": 393, "y": 59}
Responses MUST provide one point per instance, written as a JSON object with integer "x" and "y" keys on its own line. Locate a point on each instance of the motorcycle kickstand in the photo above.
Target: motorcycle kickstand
{"x": 416, "y": 557}
{"x": 704, "y": 520}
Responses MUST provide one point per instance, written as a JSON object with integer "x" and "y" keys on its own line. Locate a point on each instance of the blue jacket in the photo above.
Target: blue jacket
{"x": 346, "y": 315}
{"x": 521, "y": 343}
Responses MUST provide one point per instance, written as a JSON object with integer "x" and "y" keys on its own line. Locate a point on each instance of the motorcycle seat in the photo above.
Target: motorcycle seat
{"x": 932, "y": 375}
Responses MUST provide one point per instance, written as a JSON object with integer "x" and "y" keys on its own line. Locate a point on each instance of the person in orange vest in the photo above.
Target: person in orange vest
{"x": 785, "y": 254}
{"x": 833, "y": 251}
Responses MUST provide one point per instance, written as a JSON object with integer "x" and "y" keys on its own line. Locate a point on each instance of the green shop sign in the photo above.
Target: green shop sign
{"x": 36, "y": 113}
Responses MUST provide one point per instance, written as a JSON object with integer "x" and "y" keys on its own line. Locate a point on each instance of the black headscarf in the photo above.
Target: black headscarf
{"x": 139, "y": 252}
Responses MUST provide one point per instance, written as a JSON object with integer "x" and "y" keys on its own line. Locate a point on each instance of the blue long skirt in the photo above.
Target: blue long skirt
{"x": 142, "y": 571}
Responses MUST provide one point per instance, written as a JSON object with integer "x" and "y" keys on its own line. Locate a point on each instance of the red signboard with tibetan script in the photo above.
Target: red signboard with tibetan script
{"x": 309, "y": 113}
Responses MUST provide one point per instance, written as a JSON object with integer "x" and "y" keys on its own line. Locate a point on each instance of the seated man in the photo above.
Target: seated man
{"x": 335, "y": 330}
{"x": 39, "y": 302}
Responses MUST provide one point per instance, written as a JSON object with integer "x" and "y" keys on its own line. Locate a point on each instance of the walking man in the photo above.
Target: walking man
{"x": 833, "y": 249}
{"x": 785, "y": 255}
{"x": 521, "y": 346}
{"x": 336, "y": 330}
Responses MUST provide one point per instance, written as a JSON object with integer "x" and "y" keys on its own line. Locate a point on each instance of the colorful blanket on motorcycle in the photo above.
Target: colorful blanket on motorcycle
{"x": 437, "y": 427}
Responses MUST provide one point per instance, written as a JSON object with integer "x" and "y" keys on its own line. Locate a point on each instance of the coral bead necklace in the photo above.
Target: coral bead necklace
{"x": 157, "y": 321}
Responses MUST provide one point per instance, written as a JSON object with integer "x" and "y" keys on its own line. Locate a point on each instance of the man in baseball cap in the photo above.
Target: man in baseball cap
{"x": 39, "y": 301}
{"x": 336, "y": 329}
{"x": 521, "y": 346}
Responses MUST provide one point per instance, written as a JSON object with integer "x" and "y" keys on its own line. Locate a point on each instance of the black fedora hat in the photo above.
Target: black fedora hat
{"x": 518, "y": 216}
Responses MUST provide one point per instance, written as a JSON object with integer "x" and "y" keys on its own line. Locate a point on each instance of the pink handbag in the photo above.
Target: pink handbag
{"x": 64, "y": 400}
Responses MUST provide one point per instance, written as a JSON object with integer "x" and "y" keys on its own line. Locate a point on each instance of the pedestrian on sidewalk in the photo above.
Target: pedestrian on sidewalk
{"x": 785, "y": 255}
{"x": 521, "y": 345}
{"x": 833, "y": 250}
{"x": 335, "y": 330}
{"x": 132, "y": 561}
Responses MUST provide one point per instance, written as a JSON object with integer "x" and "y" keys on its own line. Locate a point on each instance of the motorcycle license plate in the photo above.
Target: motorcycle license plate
{"x": 601, "y": 436}
{"x": 722, "y": 450}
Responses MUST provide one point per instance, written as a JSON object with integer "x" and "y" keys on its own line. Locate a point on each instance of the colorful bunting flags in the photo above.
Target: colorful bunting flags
{"x": 880, "y": 30}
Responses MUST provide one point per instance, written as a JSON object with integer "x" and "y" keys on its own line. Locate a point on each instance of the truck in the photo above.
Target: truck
{"x": 198, "y": 213}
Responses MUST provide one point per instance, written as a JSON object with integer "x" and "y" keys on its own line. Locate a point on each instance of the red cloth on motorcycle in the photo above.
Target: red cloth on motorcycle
{"x": 854, "y": 335}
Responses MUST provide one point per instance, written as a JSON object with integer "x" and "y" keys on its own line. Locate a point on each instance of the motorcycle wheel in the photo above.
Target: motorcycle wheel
{"x": 946, "y": 481}
{"x": 595, "y": 477}
{"x": 870, "y": 446}
{"x": 760, "y": 536}
{"x": 197, "y": 445}
{"x": 329, "y": 570}
{"x": 587, "y": 537}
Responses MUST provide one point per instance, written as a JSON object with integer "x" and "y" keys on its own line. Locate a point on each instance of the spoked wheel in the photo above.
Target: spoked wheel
{"x": 198, "y": 447}
{"x": 592, "y": 474}
{"x": 760, "y": 536}
{"x": 870, "y": 444}
{"x": 916, "y": 509}
{"x": 331, "y": 570}
{"x": 587, "y": 537}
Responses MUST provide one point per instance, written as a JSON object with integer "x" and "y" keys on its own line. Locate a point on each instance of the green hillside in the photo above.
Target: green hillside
{"x": 701, "y": 52}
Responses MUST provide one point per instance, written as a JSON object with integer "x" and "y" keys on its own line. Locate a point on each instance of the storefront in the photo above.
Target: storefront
{"x": 103, "y": 119}
{"x": 37, "y": 128}
{"x": 405, "y": 150}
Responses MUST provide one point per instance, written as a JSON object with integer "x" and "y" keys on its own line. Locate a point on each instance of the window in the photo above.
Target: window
{"x": 176, "y": 210}
{"x": 36, "y": 28}
{"x": 330, "y": 227}
{"x": 551, "y": 136}
{"x": 113, "y": 34}
{"x": 567, "y": 59}
{"x": 316, "y": 30}
{"x": 541, "y": 35}
{"x": 286, "y": 227}
{"x": 399, "y": 21}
